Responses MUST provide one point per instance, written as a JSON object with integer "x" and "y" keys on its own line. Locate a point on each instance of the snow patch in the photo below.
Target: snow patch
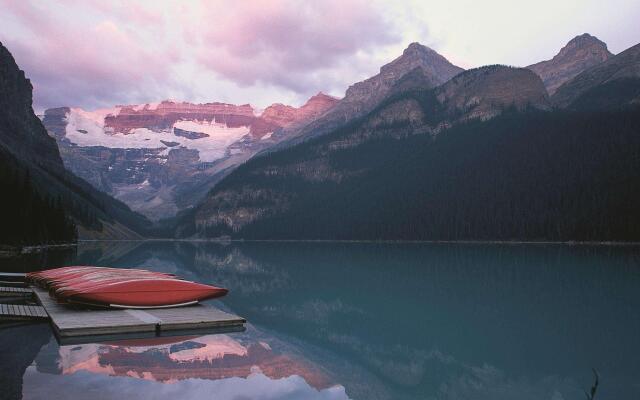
{"x": 209, "y": 148}
{"x": 257, "y": 111}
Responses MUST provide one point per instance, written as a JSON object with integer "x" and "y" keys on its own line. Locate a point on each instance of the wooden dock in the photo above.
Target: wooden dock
{"x": 12, "y": 279}
{"x": 75, "y": 322}
{"x": 21, "y": 312}
{"x": 12, "y": 291}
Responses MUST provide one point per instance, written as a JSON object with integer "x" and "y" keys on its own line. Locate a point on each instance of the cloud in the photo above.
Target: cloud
{"x": 96, "y": 54}
{"x": 85, "y": 63}
{"x": 283, "y": 43}
{"x": 256, "y": 386}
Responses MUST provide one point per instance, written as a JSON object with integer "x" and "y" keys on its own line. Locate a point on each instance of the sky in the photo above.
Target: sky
{"x": 100, "y": 53}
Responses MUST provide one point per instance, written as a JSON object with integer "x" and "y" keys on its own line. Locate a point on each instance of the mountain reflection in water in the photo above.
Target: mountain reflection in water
{"x": 371, "y": 321}
{"x": 235, "y": 361}
{"x": 207, "y": 357}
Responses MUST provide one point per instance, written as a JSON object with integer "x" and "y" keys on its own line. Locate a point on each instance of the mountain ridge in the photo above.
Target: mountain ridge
{"x": 385, "y": 175}
{"x": 471, "y": 95}
{"x": 363, "y": 96}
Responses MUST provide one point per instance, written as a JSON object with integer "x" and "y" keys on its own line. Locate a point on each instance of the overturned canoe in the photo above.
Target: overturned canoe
{"x": 121, "y": 288}
{"x": 145, "y": 293}
{"x": 77, "y": 286}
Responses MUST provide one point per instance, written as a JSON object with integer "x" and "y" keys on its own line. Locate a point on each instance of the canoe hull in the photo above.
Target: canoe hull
{"x": 122, "y": 288}
{"x": 146, "y": 293}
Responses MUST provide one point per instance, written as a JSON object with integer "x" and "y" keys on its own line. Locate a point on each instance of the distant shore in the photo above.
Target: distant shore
{"x": 497, "y": 242}
{"x": 12, "y": 251}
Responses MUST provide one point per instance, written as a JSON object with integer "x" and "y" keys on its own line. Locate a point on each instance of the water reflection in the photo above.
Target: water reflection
{"x": 372, "y": 321}
{"x": 248, "y": 357}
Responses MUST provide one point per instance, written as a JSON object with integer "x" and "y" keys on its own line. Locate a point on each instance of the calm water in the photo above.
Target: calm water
{"x": 359, "y": 321}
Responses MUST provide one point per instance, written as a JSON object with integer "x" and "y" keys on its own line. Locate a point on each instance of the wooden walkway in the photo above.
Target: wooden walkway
{"x": 69, "y": 322}
{"x": 13, "y": 275}
{"x": 12, "y": 291}
{"x": 19, "y": 312}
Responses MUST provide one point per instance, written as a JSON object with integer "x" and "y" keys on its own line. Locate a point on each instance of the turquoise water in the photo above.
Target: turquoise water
{"x": 360, "y": 321}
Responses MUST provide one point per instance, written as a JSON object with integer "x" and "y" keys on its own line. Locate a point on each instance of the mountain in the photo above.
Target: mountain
{"x": 362, "y": 97}
{"x": 161, "y": 158}
{"x": 484, "y": 92}
{"x": 326, "y": 177}
{"x": 611, "y": 84}
{"x": 581, "y": 53}
{"x": 42, "y": 201}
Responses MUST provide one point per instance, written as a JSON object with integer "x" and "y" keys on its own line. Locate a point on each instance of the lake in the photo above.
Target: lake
{"x": 358, "y": 321}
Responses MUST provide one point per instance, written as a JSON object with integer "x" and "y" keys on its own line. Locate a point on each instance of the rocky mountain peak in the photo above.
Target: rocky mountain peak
{"x": 418, "y": 55}
{"x": 580, "y": 53}
{"x": 583, "y": 41}
{"x": 417, "y": 49}
{"x": 363, "y": 96}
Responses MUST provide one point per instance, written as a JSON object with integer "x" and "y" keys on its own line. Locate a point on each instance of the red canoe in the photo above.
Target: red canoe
{"x": 40, "y": 278}
{"x": 122, "y": 288}
{"x": 76, "y": 286}
{"x": 146, "y": 293}
{"x": 91, "y": 273}
{"x": 98, "y": 276}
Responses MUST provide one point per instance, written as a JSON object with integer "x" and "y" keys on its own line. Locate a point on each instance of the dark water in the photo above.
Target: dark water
{"x": 360, "y": 321}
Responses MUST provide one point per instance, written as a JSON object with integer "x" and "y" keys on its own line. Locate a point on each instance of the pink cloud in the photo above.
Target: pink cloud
{"x": 84, "y": 64}
{"x": 94, "y": 53}
{"x": 280, "y": 42}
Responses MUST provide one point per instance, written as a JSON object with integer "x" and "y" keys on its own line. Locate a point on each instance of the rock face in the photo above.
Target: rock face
{"x": 283, "y": 116}
{"x": 21, "y": 131}
{"x": 161, "y": 158}
{"x": 621, "y": 73}
{"x": 409, "y": 109}
{"x": 163, "y": 116}
{"x": 581, "y": 53}
{"x": 484, "y": 92}
{"x": 362, "y": 97}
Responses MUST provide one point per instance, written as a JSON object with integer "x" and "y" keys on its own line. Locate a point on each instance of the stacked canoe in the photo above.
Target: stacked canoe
{"x": 121, "y": 288}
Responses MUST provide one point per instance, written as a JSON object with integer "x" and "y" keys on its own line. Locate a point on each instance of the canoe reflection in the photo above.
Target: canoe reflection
{"x": 169, "y": 360}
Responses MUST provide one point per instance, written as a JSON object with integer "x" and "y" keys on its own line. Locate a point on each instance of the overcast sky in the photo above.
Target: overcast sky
{"x": 98, "y": 53}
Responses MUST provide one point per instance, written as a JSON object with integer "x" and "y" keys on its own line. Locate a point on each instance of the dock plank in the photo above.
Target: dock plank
{"x": 12, "y": 291}
{"x": 21, "y": 312}
{"x": 69, "y": 321}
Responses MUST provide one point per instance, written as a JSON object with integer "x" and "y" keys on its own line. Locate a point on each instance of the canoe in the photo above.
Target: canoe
{"x": 89, "y": 273}
{"x": 146, "y": 293}
{"x": 121, "y": 288}
{"x": 40, "y": 278}
{"x": 77, "y": 286}
{"x": 97, "y": 276}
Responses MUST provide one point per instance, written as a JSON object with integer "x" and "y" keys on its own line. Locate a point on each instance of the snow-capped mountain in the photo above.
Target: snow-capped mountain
{"x": 160, "y": 158}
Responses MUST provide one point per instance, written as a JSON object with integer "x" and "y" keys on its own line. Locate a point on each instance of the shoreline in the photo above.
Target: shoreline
{"x": 9, "y": 251}
{"x": 496, "y": 242}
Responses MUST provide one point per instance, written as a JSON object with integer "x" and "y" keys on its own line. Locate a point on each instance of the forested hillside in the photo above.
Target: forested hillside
{"x": 521, "y": 176}
{"x": 29, "y": 216}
